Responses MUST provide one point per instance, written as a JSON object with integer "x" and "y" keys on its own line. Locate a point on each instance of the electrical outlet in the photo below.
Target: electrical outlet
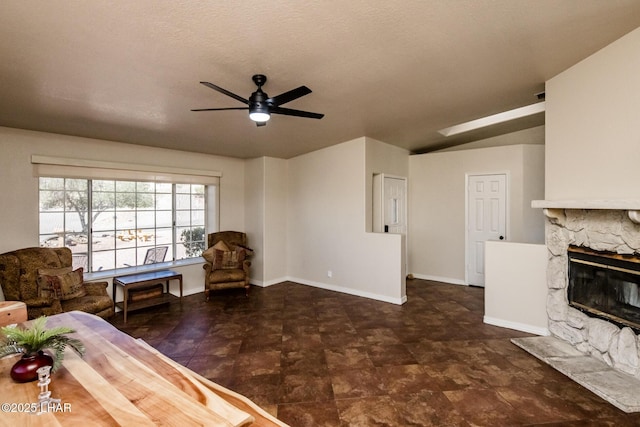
{"x": 329, "y": 273}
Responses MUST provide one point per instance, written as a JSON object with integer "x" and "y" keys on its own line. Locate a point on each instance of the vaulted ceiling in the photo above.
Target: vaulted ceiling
{"x": 393, "y": 70}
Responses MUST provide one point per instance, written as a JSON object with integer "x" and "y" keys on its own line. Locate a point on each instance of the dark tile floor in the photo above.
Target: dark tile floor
{"x": 319, "y": 358}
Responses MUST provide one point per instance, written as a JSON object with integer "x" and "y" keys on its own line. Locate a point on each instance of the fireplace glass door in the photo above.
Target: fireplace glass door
{"x": 606, "y": 286}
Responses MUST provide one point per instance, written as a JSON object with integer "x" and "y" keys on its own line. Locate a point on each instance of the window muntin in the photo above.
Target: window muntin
{"x": 190, "y": 219}
{"x": 125, "y": 219}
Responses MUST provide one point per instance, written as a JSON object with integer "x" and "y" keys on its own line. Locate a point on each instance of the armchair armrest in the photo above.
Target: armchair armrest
{"x": 39, "y": 302}
{"x": 207, "y": 267}
{"x": 245, "y": 265}
{"x": 248, "y": 251}
{"x": 96, "y": 288}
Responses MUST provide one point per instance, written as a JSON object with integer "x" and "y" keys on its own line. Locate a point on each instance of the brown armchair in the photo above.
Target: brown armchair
{"x": 227, "y": 265}
{"x": 43, "y": 279}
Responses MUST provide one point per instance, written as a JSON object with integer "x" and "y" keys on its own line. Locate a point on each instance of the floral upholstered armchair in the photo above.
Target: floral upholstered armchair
{"x": 43, "y": 278}
{"x": 226, "y": 265}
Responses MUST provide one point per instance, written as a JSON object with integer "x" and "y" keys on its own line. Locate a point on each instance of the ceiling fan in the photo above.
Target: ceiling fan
{"x": 259, "y": 104}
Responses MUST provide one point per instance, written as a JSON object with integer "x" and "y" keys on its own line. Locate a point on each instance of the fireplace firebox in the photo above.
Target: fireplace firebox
{"x": 605, "y": 285}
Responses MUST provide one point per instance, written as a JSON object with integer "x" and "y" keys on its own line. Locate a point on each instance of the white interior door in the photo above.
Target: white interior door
{"x": 486, "y": 220}
{"x": 395, "y": 205}
{"x": 390, "y": 207}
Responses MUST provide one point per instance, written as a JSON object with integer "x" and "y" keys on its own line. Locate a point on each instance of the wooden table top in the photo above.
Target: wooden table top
{"x": 12, "y": 312}
{"x": 147, "y": 276}
{"x": 123, "y": 381}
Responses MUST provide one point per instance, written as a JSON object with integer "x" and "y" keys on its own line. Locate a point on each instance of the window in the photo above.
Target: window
{"x": 110, "y": 224}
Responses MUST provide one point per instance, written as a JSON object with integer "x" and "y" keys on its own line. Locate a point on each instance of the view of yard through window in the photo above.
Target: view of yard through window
{"x": 111, "y": 224}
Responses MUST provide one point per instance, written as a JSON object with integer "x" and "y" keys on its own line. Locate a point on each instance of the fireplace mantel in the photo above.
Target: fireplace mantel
{"x": 617, "y": 204}
{"x": 632, "y": 206}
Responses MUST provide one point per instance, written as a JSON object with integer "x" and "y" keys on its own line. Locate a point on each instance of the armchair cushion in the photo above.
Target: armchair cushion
{"x": 65, "y": 286}
{"x": 223, "y": 258}
{"x": 227, "y": 275}
{"x": 210, "y": 254}
{"x": 248, "y": 252}
{"x": 227, "y": 260}
{"x": 97, "y": 304}
{"x": 47, "y": 289}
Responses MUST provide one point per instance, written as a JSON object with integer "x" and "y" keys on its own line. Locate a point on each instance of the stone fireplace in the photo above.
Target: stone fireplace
{"x": 599, "y": 351}
{"x": 606, "y": 230}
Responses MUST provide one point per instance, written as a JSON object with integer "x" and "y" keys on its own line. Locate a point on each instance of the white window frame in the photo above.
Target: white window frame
{"x": 57, "y": 167}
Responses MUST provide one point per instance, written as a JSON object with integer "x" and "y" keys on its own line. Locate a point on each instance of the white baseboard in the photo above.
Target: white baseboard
{"x": 439, "y": 279}
{"x": 264, "y": 284}
{"x": 350, "y": 291}
{"x": 516, "y": 326}
{"x": 188, "y": 292}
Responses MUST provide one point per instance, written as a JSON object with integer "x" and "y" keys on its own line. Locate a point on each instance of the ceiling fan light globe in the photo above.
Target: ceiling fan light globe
{"x": 258, "y": 116}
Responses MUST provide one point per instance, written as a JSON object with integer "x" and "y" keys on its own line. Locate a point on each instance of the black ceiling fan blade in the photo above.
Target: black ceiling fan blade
{"x": 297, "y": 113}
{"x": 283, "y": 98}
{"x": 220, "y": 109}
{"x": 226, "y": 92}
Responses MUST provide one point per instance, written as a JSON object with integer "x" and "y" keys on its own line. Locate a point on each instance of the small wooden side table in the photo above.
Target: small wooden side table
{"x": 141, "y": 280}
{"x": 12, "y": 312}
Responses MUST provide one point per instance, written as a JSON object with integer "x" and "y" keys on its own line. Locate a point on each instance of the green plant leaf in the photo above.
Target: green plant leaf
{"x": 36, "y": 338}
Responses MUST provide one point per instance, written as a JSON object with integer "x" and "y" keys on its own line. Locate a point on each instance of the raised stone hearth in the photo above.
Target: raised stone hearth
{"x": 602, "y": 230}
{"x": 615, "y": 387}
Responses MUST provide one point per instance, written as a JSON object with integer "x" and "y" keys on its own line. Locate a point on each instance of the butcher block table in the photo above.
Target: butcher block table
{"x": 122, "y": 381}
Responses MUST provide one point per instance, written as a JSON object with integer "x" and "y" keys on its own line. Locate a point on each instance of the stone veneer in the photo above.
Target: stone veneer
{"x": 602, "y": 230}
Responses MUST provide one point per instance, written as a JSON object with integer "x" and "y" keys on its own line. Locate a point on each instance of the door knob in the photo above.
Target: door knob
{"x": 501, "y": 237}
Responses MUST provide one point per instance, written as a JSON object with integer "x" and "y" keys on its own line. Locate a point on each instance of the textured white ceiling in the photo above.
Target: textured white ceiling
{"x": 393, "y": 70}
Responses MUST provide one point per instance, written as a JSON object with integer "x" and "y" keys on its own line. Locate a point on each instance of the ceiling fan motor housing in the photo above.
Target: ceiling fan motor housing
{"x": 258, "y": 105}
{"x": 258, "y": 99}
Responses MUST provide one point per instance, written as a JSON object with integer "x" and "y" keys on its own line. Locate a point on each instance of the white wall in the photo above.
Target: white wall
{"x": 19, "y": 210}
{"x": 254, "y": 223}
{"x": 266, "y": 219}
{"x": 382, "y": 158}
{"x": 592, "y": 126}
{"x": 533, "y": 221}
{"x": 275, "y": 222}
{"x": 437, "y": 201}
{"x": 516, "y": 286}
{"x": 326, "y": 227}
